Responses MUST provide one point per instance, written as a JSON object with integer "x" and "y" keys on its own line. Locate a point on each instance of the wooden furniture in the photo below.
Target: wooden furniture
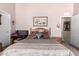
{"x": 58, "y": 39}
{"x": 42, "y": 32}
{"x": 1, "y": 48}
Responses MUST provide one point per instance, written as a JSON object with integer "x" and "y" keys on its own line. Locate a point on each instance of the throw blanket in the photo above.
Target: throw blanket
{"x": 36, "y": 49}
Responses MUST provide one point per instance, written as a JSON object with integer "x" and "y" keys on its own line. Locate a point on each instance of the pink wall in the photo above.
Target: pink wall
{"x": 76, "y": 8}
{"x": 9, "y": 8}
{"x": 25, "y": 13}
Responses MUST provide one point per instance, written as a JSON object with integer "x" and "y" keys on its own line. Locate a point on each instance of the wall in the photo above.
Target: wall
{"x": 76, "y": 8}
{"x": 25, "y": 13}
{"x": 9, "y": 8}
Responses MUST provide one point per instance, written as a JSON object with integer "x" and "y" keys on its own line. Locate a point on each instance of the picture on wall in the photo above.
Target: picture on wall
{"x": 40, "y": 21}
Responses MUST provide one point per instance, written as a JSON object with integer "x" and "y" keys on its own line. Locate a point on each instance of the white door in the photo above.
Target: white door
{"x": 66, "y": 29}
{"x": 75, "y": 31}
{"x": 5, "y": 30}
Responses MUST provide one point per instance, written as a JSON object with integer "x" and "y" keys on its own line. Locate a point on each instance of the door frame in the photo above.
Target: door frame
{"x": 62, "y": 25}
{"x": 9, "y": 28}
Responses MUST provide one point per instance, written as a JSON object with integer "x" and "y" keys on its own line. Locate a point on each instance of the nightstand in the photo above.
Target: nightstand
{"x": 58, "y": 39}
{"x": 1, "y": 48}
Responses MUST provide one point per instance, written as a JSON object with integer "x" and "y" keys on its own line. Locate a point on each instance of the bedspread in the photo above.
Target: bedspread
{"x": 36, "y": 49}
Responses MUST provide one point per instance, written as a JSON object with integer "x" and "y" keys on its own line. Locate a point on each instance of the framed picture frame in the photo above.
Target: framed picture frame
{"x": 40, "y": 21}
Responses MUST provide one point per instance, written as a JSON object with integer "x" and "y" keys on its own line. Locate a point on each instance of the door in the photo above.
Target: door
{"x": 5, "y": 30}
{"x": 66, "y": 29}
{"x": 75, "y": 31}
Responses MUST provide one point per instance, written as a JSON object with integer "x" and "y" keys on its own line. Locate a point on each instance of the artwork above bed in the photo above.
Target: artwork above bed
{"x": 40, "y": 21}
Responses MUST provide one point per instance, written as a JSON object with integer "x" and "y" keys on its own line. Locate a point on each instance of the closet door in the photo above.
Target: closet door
{"x": 5, "y": 30}
{"x": 75, "y": 30}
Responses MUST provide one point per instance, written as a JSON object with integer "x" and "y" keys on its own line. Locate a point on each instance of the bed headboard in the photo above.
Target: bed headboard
{"x": 45, "y": 31}
{"x": 41, "y": 29}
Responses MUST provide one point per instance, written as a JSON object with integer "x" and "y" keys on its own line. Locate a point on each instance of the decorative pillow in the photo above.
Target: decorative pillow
{"x": 39, "y": 35}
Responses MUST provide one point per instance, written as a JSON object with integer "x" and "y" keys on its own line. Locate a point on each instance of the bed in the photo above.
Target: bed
{"x": 35, "y": 48}
{"x": 40, "y": 33}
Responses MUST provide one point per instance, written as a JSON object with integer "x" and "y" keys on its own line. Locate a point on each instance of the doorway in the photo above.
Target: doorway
{"x": 66, "y": 29}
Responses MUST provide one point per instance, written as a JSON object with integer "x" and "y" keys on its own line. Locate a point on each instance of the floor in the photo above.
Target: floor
{"x": 73, "y": 49}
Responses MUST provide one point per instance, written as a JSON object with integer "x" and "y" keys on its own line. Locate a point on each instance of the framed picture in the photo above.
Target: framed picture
{"x": 40, "y": 21}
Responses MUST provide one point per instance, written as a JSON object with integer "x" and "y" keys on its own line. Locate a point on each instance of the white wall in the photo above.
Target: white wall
{"x": 25, "y": 13}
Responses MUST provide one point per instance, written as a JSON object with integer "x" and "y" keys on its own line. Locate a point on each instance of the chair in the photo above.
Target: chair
{"x": 22, "y": 33}
{"x": 19, "y": 34}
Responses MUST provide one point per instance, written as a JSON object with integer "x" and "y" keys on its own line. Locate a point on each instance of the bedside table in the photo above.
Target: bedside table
{"x": 58, "y": 39}
{"x": 1, "y": 48}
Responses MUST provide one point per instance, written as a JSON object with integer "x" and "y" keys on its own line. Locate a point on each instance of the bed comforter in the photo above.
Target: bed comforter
{"x": 36, "y": 49}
